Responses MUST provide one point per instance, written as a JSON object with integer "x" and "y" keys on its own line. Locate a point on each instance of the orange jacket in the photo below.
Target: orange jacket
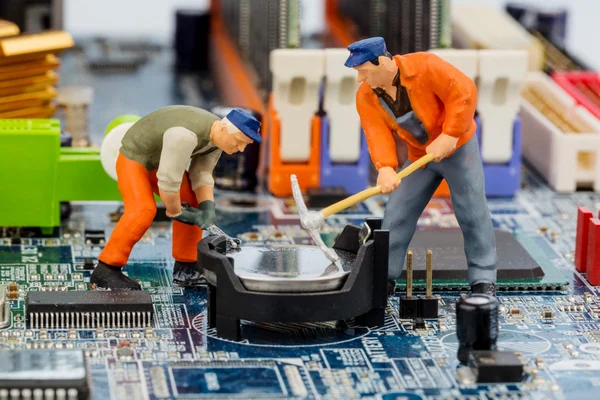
{"x": 442, "y": 97}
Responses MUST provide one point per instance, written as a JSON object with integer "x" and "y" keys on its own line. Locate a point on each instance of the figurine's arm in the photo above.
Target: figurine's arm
{"x": 380, "y": 138}
{"x": 201, "y": 175}
{"x": 178, "y": 145}
{"x": 458, "y": 93}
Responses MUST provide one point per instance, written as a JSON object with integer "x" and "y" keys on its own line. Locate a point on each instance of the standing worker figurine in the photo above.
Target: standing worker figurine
{"x": 153, "y": 158}
{"x": 431, "y": 106}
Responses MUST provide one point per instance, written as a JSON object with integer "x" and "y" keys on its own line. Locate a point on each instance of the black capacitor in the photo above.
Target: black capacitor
{"x": 476, "y": 324}
{"x": 237, "y": 172}
{"x": 192, "y": 30}
{"x": 517, "y": 11}
{"x": 552, "y": 24}
{"x": 526, "y": 16}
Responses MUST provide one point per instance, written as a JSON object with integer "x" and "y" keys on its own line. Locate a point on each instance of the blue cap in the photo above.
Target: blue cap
{"x": 365, "y": 50}
{"x": 246, "y": 123}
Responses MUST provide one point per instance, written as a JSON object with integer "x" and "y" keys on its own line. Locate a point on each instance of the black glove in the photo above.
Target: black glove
{"x": 203, "y": 216}
{"x": 209, "y": 215}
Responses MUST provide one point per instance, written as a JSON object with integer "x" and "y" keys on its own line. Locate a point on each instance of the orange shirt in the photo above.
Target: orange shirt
{"x": 442, "y": 97}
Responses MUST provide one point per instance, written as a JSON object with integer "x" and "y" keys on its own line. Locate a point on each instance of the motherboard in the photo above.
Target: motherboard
{"x": 158, "y": 343}
{"x": 550, "y": 324}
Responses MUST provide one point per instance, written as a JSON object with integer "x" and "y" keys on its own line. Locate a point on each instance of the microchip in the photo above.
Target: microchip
{"x": 450, "y": 262}
{"x": 496, "y": 366}
{"x": 89, "y": 309}
{"x": 42, "y": 373}
{"x": 94, "y": 236}
{"x": 88, "y": 264}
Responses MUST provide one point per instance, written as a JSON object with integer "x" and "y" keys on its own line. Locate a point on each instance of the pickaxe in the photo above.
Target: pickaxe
{"x": 312, "y": 220}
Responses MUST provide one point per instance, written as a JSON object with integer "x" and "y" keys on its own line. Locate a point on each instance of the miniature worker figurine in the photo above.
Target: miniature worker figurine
{"x": 153, "y": 158}
{"x": 430, "y": 105}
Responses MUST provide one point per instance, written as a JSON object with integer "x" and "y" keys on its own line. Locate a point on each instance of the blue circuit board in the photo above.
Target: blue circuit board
{"x": 181, "y": 357}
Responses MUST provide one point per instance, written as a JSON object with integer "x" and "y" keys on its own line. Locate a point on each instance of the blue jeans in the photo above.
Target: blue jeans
{"x": 463, "y": 171}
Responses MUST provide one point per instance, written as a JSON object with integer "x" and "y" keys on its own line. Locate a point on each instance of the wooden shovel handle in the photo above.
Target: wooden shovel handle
{"x": 372, "y": 191}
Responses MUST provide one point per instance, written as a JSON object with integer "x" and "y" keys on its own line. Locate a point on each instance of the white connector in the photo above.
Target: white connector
{"x": 340, "y": 106}
{"x": 297, "y": 75}
{"x": 465, "y": 60}
{"x": 560, "y": 139}
{"x": 501, "y": 75}
{"x": 486, "y": 27}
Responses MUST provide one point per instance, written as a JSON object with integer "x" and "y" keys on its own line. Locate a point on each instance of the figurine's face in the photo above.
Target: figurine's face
{"x": 376, "y": 76}
{"x": 228, "y": 142}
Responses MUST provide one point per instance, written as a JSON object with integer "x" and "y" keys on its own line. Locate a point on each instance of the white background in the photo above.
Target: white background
{"x": 155, "y": 19}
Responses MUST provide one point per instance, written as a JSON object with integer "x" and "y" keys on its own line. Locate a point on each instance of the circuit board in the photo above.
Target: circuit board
{"x": 180, "y": 357}
{"x": 554, "y": 325}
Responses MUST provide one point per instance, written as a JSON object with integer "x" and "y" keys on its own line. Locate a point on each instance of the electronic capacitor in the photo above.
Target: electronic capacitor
{"x": 476, "y": 324}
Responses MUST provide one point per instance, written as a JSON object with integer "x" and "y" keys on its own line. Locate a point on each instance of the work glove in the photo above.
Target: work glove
{"x": 209, "y": 215}
{"x": 203, "y": 216}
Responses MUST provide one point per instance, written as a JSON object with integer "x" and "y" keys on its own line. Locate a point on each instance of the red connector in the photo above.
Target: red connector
{"x": 583, "y": 86}
{"x": 584, "y": 217}
{"x": 593, "y": 252}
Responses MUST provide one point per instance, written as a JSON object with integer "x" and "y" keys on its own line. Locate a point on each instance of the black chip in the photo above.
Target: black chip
{"x": 450, "y": 263}
{"x": 419, "y": 323}
{"x": 88, "y": 264}
{"x": 94, "y": 235}
{"x": 89, "y": 309}
{"x": 496, "y": 366}
{"x": 63, "y": 372}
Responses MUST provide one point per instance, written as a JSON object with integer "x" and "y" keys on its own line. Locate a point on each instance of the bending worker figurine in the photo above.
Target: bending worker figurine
{"x": 153, "y": 158}
{"x": 431, "y": 106}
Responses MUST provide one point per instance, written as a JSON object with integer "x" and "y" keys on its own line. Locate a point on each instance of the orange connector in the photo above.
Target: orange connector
{"x": 279, "y": 171}
{"x": 443, "y": 190}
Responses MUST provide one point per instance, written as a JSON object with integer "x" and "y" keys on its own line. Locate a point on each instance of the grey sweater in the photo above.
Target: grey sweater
{"x": 170, "y": 138}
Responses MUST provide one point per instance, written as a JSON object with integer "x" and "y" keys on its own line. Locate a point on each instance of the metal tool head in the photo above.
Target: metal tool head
{"x": 234, "y": 243}
{"x": 311, "y": 220}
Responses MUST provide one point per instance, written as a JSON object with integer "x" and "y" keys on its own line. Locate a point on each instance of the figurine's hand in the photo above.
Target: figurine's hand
{"x": 188, "y": 215}
{"x": 387, "y": 180}
{"x": 203, "y": 216}
{"x": 209, "y": 216}
{"x": 441, "y": 147}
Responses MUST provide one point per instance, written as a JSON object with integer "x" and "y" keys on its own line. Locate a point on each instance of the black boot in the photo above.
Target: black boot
{"x": 484, "y": 288}
{"x": 107, "y": 277}
{"x": 187, "y": 274}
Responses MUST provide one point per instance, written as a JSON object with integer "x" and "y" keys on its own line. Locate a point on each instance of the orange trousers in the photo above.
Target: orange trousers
{"x": 137, "y": 186}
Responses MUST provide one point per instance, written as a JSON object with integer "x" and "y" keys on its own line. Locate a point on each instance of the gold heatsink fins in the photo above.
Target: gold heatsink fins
{"x": 28, "y": 84}
{"x": 7, "y": 28}
{"x": 43, "y": 42}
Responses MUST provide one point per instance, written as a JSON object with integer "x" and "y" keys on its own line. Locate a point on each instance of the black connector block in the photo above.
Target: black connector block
{"x": 428, "y": 308}
{"x": 418, "y": 307}
{"x": 409, "y": 307}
